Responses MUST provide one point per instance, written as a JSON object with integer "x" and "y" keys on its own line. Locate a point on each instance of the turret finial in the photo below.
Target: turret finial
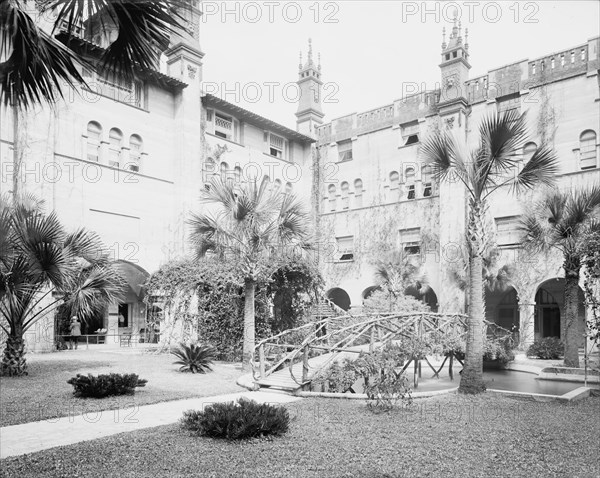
{"x": 466, "y": 38}
{"x": 319, "y": 56}
{"x": 454, "y": 27}
{"x": 444, "y": 38}
{"x": 309, "y": 51}
{"x": 300, "y": 64}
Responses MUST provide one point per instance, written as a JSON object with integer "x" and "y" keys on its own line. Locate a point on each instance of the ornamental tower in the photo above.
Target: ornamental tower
{"x": 309, "y": 114}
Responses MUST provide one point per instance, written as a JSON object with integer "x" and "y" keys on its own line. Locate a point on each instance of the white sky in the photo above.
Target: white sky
{"x": 368, "y": 48}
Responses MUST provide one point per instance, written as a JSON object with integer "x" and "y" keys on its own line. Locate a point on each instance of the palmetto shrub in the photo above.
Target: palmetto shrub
{"x": 195, "y": 358}
{"x": 236, "y": 421}
{"x": 89, "y": 386}
{"x": 546, "y": 348}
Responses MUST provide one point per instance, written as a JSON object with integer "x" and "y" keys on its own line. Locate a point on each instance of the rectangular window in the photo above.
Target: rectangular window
{"x": 345, "y": 150}
{"x": 410, "y": 133}
{"x": 345, "y": 248}
{"x": 276, "y": 145}
{"x": 410, "y": 240}
{"x": 507, "y": 231}
{"x": 509, "y": 102}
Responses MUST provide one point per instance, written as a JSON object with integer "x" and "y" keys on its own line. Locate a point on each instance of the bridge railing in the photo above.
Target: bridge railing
{"x": 345, "y": 334}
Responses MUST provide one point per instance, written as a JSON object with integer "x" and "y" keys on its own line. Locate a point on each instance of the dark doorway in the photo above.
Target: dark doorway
{"x": 123, "y": 315}
{"x": 547, "y": 315}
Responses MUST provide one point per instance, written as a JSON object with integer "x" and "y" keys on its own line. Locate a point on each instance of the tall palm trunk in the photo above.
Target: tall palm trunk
{"x": 13, "y": 359}
{"x": 472, "y": 375}
{"x": 249, "y": 323}
{"x": 570, "y": 327}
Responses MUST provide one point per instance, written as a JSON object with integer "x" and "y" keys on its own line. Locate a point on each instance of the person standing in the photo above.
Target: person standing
{"x": 75, "y": 329}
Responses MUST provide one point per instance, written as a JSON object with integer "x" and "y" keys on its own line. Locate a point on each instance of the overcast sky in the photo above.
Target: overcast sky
{"x": 369, "y": 49}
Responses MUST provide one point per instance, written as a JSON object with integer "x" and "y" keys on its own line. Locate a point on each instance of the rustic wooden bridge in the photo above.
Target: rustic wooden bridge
{"x": 290, "y": 360}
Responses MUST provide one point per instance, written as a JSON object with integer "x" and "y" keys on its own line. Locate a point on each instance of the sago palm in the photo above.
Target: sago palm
{"x": 566, "y": 221}
{"x": 254, "y": 226}
{"x": 43, "y": 266}
{"x": 495, "y": 162}
{"x": 35, "y": 67}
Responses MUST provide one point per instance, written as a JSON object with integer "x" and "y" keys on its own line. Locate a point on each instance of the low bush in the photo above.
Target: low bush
{"x": 89, "y": 386}
{"x": 338, "y": 377}
{"x": 547, "y": 348}
{"x": 194, "y": 358}
{"x": 499, "y": 350}
{"x": 236, "y": 421}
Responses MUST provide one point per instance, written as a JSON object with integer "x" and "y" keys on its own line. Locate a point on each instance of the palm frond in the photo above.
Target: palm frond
{"x": 501, "y": 135}
{"x": 37, "y": 67}
{"x": 541, "y": 169}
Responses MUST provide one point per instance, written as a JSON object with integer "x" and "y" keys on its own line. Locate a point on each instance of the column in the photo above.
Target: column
{"x": 526, "y": 322}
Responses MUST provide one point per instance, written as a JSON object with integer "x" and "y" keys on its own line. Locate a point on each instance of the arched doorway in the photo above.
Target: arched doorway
{"x": 129, "y": 315}
{"x": 369, "y": 291}
{"x": 549, "y": 309}
{"x": 339, "y": 297}
{"x": 502, "y": 308}
{"x": 429, "y": 296}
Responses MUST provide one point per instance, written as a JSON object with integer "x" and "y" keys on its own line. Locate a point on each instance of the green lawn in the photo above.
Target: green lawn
{"x": 446, "y": 436}
{"x": 45, "y": 393}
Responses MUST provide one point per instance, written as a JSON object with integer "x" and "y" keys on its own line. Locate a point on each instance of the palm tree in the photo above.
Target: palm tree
{"x": 566, "y": 221}
{"x": 494, "y": 163}
{"x": 257, "y": 228}
{"x": 41, "y": 267}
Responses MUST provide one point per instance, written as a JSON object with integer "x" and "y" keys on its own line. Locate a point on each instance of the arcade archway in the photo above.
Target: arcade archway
{"x": 429, "y": 297}
{"x": 550, "y": 307}
{"x": 339, "y": 297}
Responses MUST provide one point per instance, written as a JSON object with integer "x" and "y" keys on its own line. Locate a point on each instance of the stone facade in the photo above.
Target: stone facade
{"x": 380, "y": 193}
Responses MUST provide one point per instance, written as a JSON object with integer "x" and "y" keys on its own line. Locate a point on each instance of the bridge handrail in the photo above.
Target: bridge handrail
{"x": 314, "y": 332}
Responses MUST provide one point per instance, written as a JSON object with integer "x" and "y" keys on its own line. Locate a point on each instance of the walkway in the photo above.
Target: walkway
{"x": 36, "y": 436}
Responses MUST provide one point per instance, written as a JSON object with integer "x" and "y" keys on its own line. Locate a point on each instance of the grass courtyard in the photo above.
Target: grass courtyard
{"x": 45, "y": 393}
{"x": 452, "y": 435}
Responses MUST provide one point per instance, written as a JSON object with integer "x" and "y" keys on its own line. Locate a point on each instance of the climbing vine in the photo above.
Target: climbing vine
{"x": 204, "y": 301}
{"x": 591, "y": 281}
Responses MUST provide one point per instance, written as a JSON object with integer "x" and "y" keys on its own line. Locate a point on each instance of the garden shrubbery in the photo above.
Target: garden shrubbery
{"x": 546, "y": 348}
{"x": 90, "y": 386}
{"x": 236, "y": 421}
{"x": 217, "y": 286}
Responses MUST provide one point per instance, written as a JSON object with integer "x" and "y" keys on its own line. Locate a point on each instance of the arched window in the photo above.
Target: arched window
{"x": 345, "y": 199}
{"x": 528, "y": 150}
{"x": 409, "y": 174}
{"x": 135, "y": 152}
{"x": 358, "y": 193}
{"x": 115, "y": 144}
{"x": 332, "y": 197}
{"x": 426, "y": 181}
{"x": 289, "y": 188}
{"x": 587, "y": 149}
{"x": 237, "y": 174}
{"x": 94, "y": 135}
{"x": 223, "y": 168}
{"x": 394, "y": 180}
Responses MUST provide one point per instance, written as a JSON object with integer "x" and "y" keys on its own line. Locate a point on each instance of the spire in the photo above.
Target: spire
{"x": 454, "y": 27}
{"x": 319, "y": 56}
{"x": 444, "y": 38}
{"x": 300, "y": 64}
{"x": 466, "y": 38}
{"x": 459, "y": 32}
{"x": 310, "y": 59}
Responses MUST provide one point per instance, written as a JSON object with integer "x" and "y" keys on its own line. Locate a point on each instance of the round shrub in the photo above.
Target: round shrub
{"x": 547, "y": 348}
{"x": 105, "y": 385}
{"x": 236, "y": 421}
